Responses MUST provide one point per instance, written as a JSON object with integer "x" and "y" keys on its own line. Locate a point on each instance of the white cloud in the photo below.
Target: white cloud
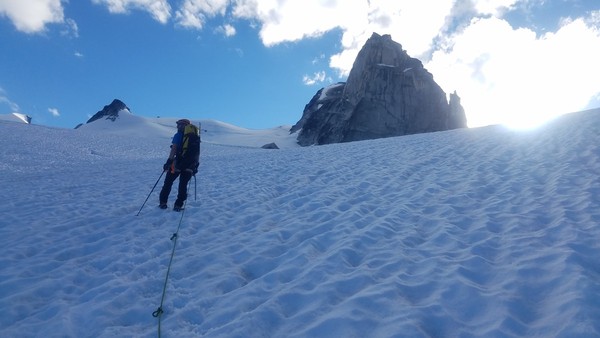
{"x": 71, "y": 29}
{"x": 412, "y": 22}
{"x": 4, "y": 99}
{"x": 512, "y": 76}
{"x": 318, "y": 77}
{"x": 32, "y": 16}
{"x": 193, "y": 13}
{"x": 227, "y": 30}
{"x": 159, "y": 9}
{"x": 493, "y": 7}
{"x": 318, "y": 59}
{"x": 594, "y": 18}
{"x": 283, "y": 21}
{"x": 54, "y": 112}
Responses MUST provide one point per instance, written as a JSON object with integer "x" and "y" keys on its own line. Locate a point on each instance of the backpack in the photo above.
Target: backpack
{"x": 189, "y": 155}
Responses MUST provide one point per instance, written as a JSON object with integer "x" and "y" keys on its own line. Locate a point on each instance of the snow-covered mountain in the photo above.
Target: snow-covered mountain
{"x": 485, "y": 232}
{"x": 15, "y": 117}
{"x": 214, "y": 132}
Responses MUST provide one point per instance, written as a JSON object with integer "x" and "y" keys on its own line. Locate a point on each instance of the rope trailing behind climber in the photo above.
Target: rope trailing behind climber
{"x": 159, "y": 311}
{"x": 183, "y": 161}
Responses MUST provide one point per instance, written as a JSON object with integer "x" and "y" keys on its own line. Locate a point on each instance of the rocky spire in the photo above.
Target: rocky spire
{"x": 387, "y": 93}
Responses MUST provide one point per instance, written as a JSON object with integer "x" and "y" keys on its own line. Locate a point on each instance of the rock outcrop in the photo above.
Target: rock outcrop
{"x": 387, "y": 93}
{"x": 271, "y": 145}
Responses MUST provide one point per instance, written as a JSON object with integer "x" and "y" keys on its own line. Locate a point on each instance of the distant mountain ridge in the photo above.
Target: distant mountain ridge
{"x": 117, "y": 119}
{"x": 16, "y": 117}
{"x": 388, "y": 93}
{"x": 110, "y": 112}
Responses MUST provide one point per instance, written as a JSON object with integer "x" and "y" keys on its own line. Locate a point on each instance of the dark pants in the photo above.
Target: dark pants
{"x": 184, "y": 178}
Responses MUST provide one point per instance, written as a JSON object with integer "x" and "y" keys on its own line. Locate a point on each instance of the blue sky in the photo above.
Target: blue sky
{"x": 256, "y": 63}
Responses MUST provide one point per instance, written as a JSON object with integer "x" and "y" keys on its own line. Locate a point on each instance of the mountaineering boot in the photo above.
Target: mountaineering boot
{"x": 177, "y": 208}
{"x": 163, "y": 206}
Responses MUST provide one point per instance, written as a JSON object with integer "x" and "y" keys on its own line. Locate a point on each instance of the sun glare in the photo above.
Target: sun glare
{"x": 519, "y": 116}
{"x": 527, "y": 122}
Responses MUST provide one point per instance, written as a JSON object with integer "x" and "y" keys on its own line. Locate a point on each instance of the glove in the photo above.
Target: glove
{"x": 167, "y": 165}
{"x": 195, "y": 171}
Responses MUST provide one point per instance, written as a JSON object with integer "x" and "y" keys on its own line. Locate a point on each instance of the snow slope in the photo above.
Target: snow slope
{"x": 471, "y": 233}
{"x": 213, "y": 132}
{"x": 14, "y": 117}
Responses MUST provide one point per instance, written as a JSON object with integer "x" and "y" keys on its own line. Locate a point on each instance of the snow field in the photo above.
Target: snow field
{"x": 479, "y": 232}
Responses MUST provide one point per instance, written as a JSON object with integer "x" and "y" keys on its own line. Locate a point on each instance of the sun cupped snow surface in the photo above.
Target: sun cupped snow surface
{"x": 485, "y": 232}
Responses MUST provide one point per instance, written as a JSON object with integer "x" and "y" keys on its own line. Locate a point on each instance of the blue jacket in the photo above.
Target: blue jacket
{"x": 178, "y": 139}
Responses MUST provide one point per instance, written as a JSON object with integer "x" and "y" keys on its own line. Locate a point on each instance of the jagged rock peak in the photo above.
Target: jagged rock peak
{"x": 110, "y": 112}
{"x": 388, "y": 93}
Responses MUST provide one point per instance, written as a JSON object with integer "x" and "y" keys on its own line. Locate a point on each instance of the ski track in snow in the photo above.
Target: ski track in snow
{"x": 480, "y": 232}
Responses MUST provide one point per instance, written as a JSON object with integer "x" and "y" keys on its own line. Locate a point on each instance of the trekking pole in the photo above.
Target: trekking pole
{"x": 195, "y": 193}
{"x": 151, "y": 192}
